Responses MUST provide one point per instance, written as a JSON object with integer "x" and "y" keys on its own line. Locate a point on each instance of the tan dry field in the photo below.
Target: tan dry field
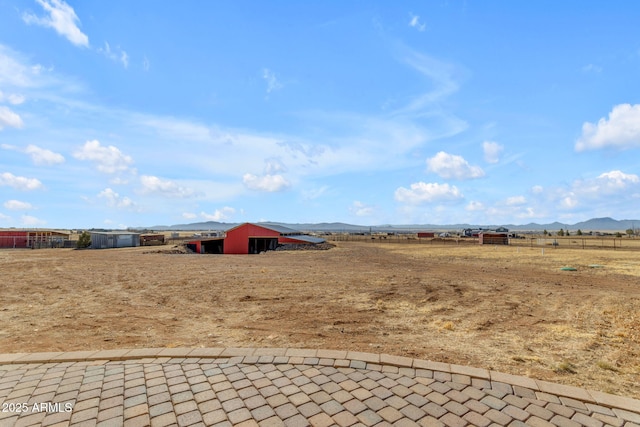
{"x": 503, "y": 308}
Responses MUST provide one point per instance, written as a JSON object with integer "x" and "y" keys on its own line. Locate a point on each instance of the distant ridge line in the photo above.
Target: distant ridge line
{"x": 594, "y": 224}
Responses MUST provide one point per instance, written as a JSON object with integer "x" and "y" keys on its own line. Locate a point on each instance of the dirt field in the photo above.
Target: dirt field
{"x": 503, "y": 308}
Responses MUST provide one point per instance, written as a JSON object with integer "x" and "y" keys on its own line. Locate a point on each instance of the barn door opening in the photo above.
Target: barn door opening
{"x": 213, "y": 246}
{"x": 262, "y": 244}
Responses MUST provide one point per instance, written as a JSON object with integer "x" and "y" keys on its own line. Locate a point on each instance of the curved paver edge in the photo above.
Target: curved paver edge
{"x": 340, "y": 358}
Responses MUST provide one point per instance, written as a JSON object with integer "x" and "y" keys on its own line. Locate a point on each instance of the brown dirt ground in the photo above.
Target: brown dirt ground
{"x": 503, "y": 308}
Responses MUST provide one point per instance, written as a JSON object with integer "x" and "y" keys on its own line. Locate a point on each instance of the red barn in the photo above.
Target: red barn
{"x": 250, "y": 238}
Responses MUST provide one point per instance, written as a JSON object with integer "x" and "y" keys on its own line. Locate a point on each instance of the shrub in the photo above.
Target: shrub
{"x": 607, "y": 366}
{"x": 566, "y": 367}
{"x": 84, "y": 241}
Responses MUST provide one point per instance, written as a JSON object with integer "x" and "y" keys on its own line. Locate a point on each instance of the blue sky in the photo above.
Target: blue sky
{"x": 117, "y": 114}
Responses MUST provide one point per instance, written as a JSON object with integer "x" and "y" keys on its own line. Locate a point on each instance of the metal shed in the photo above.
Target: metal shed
{"x": 114, "y": 239}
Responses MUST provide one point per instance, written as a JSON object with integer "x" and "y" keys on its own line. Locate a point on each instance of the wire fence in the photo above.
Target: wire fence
{"x": 615, "y": 243}
{"x": 566, "y": 242}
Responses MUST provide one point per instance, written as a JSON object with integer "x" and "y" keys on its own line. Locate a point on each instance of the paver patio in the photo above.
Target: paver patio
{"x": 289, "y": 387}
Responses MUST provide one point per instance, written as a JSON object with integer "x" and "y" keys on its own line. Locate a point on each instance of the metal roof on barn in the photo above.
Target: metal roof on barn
{"x": 305, "y": 238}
{"x": 279, "y": 228}
{"x": 273, "y": 227}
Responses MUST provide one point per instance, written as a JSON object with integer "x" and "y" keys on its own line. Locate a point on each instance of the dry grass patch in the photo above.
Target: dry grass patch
{"x": 495, "y": 308}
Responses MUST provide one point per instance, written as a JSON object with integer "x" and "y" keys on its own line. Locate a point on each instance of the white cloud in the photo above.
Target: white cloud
{"x": 15, "y": 72}
{"x": 153, "y": 184}
{"x": 515, "y": 201}
{"x": 219, "y": 215}
{"x": 9, "y": 118}
{"x": 527, "y": 213}
{"x": 188, "y": 215}
{"x": 347, "y": 142}
{"x": 17, "y": 205}
{"x": 421, "y": 192}
{"x": 274, "y": 166}
{"x": 32, "y": 221}
{"x": 358, "y": 208}
{"x": 537, "y": 189}
{"x": 62, "y": 18}
{"x": 268, "y": 183}
{"x": 19, "y": 182}
{"x": 621, "y": 130}
{"x": 492, "y": 151}
{"x": 114, "y": 199}
{"x": 507, "y": 212}
{"x": 609, "y": 183}
{"x": 42, "y": 156}
{"x": 4, "y": 217}
{"x": 116, "y": 55}
{"x": 450, "y": 166}
{"x": 173, "y": 128}
{"x": 474, "y": 206}
{"x": 415, "y": 23}
{"x": 608, "y": 194}
{"x": 442, "y": 77}
{"x": 619, "y": 180}
{"x": 108, "y": 159}
{"x": 119, "y": 181}
{"x": 124, "y": 58}
{"x": 272, "y": 82}
{"x": 314, "y": 193}
{"x": 569, "y": 201}
{"x": 11, "y": 98}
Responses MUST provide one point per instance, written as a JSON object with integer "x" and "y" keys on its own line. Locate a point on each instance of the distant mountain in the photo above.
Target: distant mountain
{"x": 326, "y": 226}
{"x": 594, "y": 224}
{"x": 196, "y": 226}
{"x": 607, "y": 224}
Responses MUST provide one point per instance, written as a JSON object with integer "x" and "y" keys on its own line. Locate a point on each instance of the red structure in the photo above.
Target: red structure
{"x": 13, "y": 239}
{"x": 493, "y": 239}
{"x": 426, "y": 234}
{"x": 31, "y": 238}
{"x": 250, "y": 238}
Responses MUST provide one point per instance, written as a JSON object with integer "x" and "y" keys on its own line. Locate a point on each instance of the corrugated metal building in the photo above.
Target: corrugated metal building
{"x": 251, "y": 238}
{"x": 114, "y": 239}
{"x": 32, "y": 238}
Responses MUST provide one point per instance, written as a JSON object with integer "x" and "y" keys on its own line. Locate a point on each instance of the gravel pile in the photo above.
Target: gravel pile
{"x": 174, "y": 250}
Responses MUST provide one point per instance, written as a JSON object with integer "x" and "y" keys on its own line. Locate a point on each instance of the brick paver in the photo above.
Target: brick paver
{"x": 162, "y": 387}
